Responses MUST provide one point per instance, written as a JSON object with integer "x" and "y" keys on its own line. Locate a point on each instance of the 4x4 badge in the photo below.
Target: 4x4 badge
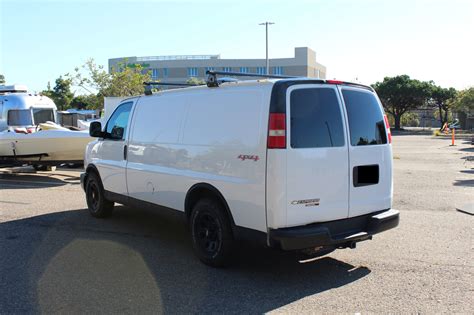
{"x": 248, "y": 157}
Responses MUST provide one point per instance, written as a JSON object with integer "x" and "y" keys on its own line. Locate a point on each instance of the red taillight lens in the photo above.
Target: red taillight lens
{"x": 387, "y": 125}
{"x": 277, "y": 131}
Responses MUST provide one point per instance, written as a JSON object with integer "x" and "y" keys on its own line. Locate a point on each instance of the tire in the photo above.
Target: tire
{"x": 211, "y": 233}
{"x": 97, "y": 204}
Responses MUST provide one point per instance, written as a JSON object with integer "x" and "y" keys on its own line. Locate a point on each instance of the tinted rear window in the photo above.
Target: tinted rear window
{"x": 316, "y": 120}
{"x": 366, "y": 124}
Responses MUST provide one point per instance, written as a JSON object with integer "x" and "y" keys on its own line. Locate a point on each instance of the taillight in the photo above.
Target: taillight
{"x": 277, "y": 131}
{"x": 334, "y": 82}
{"x": 387, "y": 125}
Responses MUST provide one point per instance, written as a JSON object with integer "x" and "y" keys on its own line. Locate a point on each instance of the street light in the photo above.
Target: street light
{"x": 266, "y": 41}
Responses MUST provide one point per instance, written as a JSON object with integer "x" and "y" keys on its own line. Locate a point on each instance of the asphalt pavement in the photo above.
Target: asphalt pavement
{"x": 55, "y": 258}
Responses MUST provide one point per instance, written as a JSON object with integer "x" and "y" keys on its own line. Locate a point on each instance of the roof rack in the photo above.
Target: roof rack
{"x": 149, "y": 85}
{"x": 213, "y": 82}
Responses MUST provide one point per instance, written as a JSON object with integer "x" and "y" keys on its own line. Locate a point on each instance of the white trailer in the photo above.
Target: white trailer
{"x": 18, "y": 108}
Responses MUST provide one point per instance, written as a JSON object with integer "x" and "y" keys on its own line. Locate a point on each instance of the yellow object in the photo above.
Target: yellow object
{"x": 49, "y": 126}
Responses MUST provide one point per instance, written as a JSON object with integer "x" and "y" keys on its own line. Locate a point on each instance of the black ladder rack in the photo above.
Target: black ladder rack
{"x": 149, "y": 85}
{"x": 212, "y": 80}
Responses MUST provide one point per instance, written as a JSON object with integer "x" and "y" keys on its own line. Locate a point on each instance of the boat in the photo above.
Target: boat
{"x": 52, "y": 146}
{"x": 30, "y": 134}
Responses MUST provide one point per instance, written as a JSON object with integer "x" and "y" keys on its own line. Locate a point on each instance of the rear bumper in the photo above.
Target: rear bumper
{"x": 340, "y": 233}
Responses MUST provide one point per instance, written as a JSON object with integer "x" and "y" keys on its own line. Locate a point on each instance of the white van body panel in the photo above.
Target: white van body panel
{"x": 276, "y": 188}
{"x": 319, "y": 173}
{"x": 108, "y": 157}
{"x": 367, "y": 199}
{"x": 182, "y": 138}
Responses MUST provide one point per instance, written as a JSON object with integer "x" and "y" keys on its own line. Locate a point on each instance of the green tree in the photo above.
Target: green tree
{"x": 90, "y": 101}
{"x": 464, "y": 101}
{"x": 48, "y": 92}
{"x": 61, "y": 94}
{"x": 125, "y": 80}
{"x": 442, "y": 98}
{"x": 2, "y": 79}
{"x": 401, "y": 94}
{"x": 195, "y": 81}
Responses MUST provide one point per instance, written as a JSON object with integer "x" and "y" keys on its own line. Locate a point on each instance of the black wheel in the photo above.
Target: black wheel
{"x": 211, "y": 233}
{"x": 98, "y": 206}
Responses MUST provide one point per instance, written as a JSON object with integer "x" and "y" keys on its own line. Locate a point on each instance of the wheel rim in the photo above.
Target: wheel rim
{"x": 93, "y": 196}
{"x": 208, "y": 234}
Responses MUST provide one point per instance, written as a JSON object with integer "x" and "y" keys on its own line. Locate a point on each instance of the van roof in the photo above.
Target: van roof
{"x": 271, "y": 81}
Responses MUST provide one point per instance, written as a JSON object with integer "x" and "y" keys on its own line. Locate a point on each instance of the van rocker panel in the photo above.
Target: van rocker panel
{"x": 339, "y": 233}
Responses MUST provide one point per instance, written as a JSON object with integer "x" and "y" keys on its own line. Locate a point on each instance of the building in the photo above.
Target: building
{"x": 182, "y": 68}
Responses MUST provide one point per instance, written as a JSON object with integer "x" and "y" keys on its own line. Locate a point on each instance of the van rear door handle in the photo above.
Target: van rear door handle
{"x": 125, "y": 152}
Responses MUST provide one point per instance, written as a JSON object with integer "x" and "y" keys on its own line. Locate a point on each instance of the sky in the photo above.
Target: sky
{"x": 363, "y": 40}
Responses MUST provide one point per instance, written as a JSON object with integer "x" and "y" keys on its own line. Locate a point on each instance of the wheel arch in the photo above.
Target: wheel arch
{"x": 91, "y": 168}
{"x": 204, "y": 190}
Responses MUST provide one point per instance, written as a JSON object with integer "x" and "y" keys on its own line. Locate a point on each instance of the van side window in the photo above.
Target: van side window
{"x": 117, "y": 124}
{"x": 366, "y": 124}
{"x": 316, "y": 120}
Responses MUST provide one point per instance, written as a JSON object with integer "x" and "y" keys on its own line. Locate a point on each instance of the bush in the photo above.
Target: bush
{"x": 410, "y": 120}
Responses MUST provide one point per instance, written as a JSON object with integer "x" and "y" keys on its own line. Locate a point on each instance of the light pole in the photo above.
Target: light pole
{"x": 266, "y": 41}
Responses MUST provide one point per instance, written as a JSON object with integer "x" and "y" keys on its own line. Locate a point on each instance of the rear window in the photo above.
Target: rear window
{"x": 19, "y": 117}
{"x": 366, "y": 124}
{"x": 316, "y": 119}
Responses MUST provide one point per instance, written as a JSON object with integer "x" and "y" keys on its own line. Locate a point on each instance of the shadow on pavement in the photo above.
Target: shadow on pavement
{"x": 464, "y": 182}
{"x": 142, "y": 261}
{"x": 37, "y": 180}
{"x": 468, "y": 158}
{"x": 467, "y": 149}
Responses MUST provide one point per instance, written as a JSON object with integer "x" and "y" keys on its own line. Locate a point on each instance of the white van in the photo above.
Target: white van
{"x": 296, "y": 163}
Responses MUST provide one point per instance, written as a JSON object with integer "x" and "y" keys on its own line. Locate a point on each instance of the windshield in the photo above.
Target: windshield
{"x": 19, "y": 117}
{"x": 42, "y": 115}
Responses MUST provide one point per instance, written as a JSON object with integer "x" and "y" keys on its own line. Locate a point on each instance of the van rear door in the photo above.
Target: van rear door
{"x": 370, "y": 153}
{"x": 317, "y": 155}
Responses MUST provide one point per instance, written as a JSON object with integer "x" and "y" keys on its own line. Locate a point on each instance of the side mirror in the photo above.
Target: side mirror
{"x": 95, "y": 129}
